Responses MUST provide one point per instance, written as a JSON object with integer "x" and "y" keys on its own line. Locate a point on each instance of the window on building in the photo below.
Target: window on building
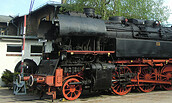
{"x": 14, "y": 48}
{"x": 36, "y": 49}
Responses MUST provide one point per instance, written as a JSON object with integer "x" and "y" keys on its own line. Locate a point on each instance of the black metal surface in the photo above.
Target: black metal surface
{"x": 135, "y": 38}
{"x": 48, "y": 67}
{"x": 143, "y": 48}
{"x": 102, "y": 75}
{"x": 80, "y": 26}
{"x": 47, "y": 30}
{"x": 136, "y": 28}
{"x": 30, "y": 67}
{"x": 75, "y": 83}
{"x": 137, "y": 21}
{"x": 117, "y": 18}
{"x": 73, "y": 25}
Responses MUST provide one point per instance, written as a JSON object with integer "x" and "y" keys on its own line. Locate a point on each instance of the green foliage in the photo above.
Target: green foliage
{"x": 140, "y": 9}
{"x": 7, "y": 77}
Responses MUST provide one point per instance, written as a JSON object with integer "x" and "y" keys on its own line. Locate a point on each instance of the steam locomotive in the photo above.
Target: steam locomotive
{"x": 89, "y": 53}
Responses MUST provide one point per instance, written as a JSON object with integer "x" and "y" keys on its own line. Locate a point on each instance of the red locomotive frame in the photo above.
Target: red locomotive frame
{"x": 146, "y": 74}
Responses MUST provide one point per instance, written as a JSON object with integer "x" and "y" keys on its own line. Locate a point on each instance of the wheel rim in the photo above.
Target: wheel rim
{"x": 166, "y": 77}
{"x": 147, "y": 74}
{"x": 117, "y": 87}
{"x": 71, "y": 92}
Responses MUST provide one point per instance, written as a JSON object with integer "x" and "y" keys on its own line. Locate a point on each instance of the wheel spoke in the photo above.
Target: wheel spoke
{"x": 77, "y": 86}
{"x": 67, "y": 89}
{"x": 68, "y": 93}
{"x": 71, "y": 94}
{"x": 74, "y": 93}
{"x": 147, "y": 75}
{"x": 122, "y": 89}
{"x": 78, "y": 90}
{"x": 74, "y": 90}
{"x": 117, "y": 88}
{"x": 165, "y": 77}
{"x": 67, "y": 85}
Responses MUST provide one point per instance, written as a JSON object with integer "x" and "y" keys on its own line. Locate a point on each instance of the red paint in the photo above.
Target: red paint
{"x": 26, "y": 78}
{"x": 58, "y": 77}
{"x": 151, "y": 81}
{"x": 71, "y": 92}
{"x": 116, "y": 88}
{"x": 88, "y": 52}
{"x": 24, "y": 32}
{"x": 166, "y": 75}
{"x": 72, "y": 76}
{"x": 146, "y": 74}
{"x": 49, "y": 80}
{"x": 40, "y": 79}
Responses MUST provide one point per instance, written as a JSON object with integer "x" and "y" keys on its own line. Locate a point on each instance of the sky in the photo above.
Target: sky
{"x": 21, "y": 7}
{"x": 169, "y": 4}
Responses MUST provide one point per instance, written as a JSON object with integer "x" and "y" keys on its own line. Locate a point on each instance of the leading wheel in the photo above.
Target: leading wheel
{"x": 120, "y": 87}
{"x": 71, "y": 92}
{"x": 147, "y": 74}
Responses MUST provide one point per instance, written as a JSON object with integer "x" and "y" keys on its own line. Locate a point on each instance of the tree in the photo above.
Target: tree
{"x": 140, "y": 9}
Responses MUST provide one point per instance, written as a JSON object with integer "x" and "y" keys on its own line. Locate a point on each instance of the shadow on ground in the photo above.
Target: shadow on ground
{"x": 7, "y": 96}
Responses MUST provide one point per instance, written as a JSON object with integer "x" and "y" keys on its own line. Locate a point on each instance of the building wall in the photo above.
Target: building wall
{"x": 8, "y": 30}
{"x": 2, "y": 28}
{"x": 10, "y": 59}
{"x": 12, "y": 30}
